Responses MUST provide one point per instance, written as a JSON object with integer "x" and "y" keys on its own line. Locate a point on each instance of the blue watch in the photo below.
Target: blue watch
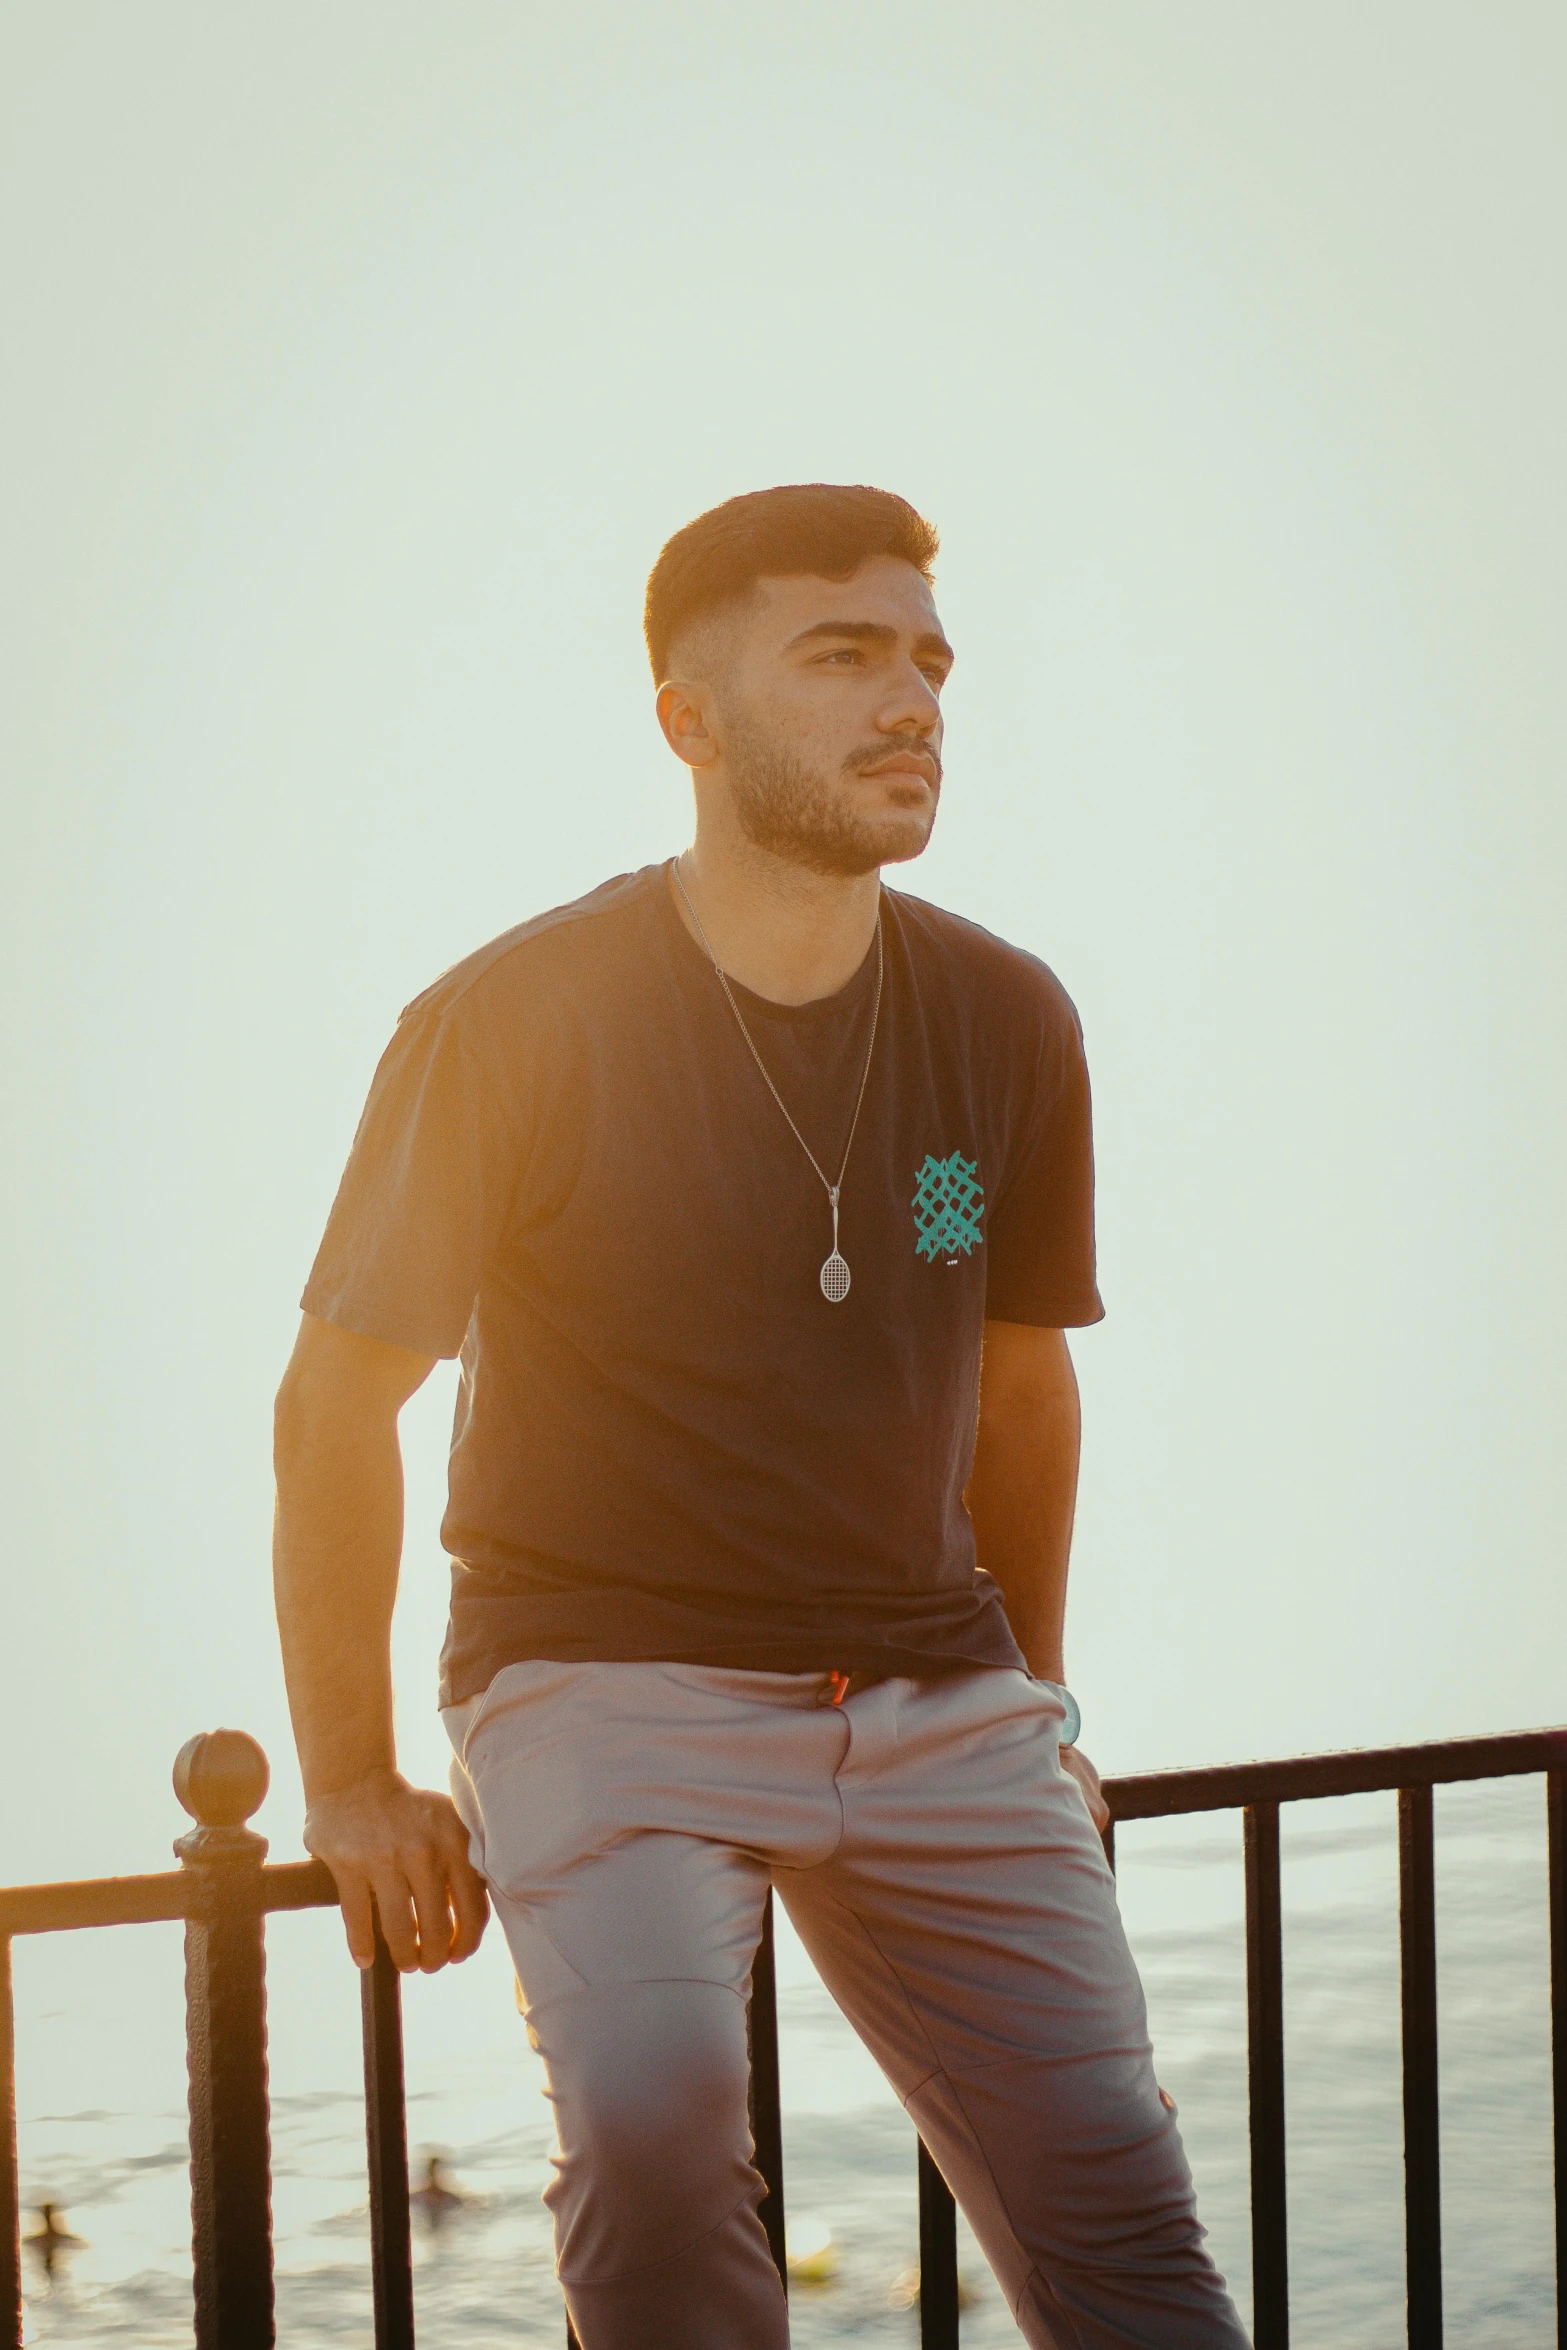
{"x": 1072, "y": 1726}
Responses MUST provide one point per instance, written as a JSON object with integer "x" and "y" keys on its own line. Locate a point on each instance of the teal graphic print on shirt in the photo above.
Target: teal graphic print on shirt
{"x": 949, "y": 1200}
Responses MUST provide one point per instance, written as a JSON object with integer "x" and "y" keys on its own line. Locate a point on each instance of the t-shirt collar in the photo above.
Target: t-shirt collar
{"x": 824, "y": 1009}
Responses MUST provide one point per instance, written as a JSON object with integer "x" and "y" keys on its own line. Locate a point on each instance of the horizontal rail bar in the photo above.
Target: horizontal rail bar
{"x": 144, "y": 1901}
{"x": 96, "y": 1901}
{"x": 298, "y": 1884}
{"x": 1148, "y": 1795}
{"x": 1154, "y": 1795}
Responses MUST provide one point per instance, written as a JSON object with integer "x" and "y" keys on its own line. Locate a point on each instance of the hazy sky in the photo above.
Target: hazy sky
{"x": 359, "y": 359}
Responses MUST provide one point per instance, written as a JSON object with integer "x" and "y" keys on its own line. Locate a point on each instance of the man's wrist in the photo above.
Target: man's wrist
{"x": 1071, "y": 1727}
{"x": 381, "y": 1778}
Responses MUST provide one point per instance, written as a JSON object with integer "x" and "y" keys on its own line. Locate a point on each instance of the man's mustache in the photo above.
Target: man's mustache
{"x": 878, "y": 754}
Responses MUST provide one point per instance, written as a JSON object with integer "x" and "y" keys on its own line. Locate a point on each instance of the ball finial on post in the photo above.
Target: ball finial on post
{"x": 221, "y": 1777}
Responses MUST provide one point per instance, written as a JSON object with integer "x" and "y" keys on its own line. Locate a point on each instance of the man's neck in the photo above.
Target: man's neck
{"x": 787, "y": 934}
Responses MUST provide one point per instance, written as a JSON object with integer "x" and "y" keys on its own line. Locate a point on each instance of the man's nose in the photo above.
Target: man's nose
{"x": 911, "y": 705}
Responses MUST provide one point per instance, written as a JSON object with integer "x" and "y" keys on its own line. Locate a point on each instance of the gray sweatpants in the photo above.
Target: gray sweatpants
{"x": 941, "y": 1870}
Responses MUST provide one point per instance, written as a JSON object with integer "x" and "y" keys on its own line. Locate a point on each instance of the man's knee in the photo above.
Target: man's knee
{"x": 1084, "y": 2163}
{"x": 649, "y": 2086}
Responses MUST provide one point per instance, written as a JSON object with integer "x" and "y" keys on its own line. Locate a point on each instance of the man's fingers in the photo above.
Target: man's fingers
{"x": 1077, "y": 1766}
{"x": 397, "y": 1920}
{"x": 427, "y": 1883}
{"x": 409, "y": 1850}
{"x": 353, "y": 1896}
{"x": 1098, "y": 1809}
{"x": 470, "y": 1904}
{"x": 463, "y": 1888}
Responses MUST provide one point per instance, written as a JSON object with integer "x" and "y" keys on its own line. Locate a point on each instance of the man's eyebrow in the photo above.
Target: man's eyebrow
{"x": 872, "y": 632}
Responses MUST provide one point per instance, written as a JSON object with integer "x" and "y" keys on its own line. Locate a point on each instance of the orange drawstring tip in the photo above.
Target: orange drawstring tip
{"x": 840, "y": 1686}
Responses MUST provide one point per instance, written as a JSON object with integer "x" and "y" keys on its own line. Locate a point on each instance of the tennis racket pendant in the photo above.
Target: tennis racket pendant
{"x": 835, "y": 1273}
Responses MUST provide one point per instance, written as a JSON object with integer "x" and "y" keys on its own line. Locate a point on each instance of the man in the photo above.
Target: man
{"x": 722, "y": 1182}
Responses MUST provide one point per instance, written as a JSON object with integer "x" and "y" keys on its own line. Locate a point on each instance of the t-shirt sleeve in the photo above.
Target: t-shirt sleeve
{"x": 1040, "y": 1266}
{"x": 424, "y": 1197}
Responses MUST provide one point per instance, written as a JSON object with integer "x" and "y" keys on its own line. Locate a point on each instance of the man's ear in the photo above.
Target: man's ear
{"x": 682, "y": 713}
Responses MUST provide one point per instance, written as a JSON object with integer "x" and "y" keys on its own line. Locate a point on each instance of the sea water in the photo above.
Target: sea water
{"x": 101, "y": 2084}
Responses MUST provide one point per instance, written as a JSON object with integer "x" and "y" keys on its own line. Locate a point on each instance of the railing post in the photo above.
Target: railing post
{"x": 1265, "y": 2079}
{"x": 1422, "y": 2151}
{"x": 938, "y": 2257}
{"x": 766, "y": 2118}
{"x": 386, "y": 2137}
{"x": 10, "y": 2185}
{"x": 1556, "y": 1834}
{"x": 220, "y": 1778}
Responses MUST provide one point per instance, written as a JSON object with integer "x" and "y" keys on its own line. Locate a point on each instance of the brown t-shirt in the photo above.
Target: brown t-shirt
{"x": 669, "y": 1443}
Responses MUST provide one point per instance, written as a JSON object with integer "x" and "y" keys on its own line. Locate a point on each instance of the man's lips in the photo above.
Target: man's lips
{"x": 918, "y": 763}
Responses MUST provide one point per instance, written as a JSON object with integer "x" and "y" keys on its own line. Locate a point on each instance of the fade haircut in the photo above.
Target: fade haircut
{"x": 805, "y": 528}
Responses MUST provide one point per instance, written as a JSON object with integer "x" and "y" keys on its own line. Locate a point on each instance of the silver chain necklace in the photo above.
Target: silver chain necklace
{"x": 834, "y": 1273}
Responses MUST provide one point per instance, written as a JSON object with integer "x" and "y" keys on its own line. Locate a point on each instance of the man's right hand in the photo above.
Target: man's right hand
{"x": 408, "y": 1850}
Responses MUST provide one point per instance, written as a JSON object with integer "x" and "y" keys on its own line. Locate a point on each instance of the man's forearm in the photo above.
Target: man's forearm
{"x": 396, "y": 1852}
{"x": 337, "y": 1541}
{"x": 1022, "y": 1494}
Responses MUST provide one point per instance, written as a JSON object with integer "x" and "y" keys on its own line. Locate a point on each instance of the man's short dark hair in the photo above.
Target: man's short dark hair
{"x": 807, "y": 527}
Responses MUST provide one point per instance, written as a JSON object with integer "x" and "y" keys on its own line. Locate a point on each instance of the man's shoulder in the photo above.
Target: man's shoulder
{"x": 586, "y": 934}
{"x": 971, "y": 961}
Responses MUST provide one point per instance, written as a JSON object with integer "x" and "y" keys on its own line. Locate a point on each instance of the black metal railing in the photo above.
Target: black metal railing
{"x": 1256, "y": 1790}
{"x": 224, "y": 1892}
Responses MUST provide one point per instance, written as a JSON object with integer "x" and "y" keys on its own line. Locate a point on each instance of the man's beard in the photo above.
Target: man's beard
{"x": 791, "y": 811}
